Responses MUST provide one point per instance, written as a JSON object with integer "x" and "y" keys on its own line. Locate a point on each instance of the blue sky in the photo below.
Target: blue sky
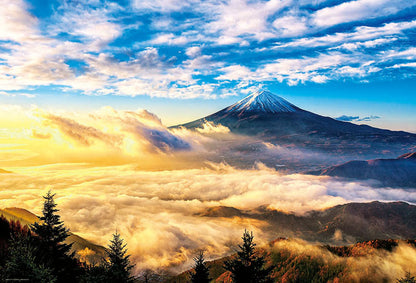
{"x": 183, "y": 59}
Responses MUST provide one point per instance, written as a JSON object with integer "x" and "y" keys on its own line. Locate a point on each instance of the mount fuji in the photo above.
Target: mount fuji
{"x": 261, "y": 102}
{"x": 272, "y": 119}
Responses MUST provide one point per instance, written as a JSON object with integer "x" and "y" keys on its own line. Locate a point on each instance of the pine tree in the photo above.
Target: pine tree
{"x": 51, "y": 230}
{"x": 248, "y": 267}
{"x": 22, "y": 263}
{"x": 201, "y": 270}
{"x": 95, "y": 274}
{"x": 119, "y": 263}
{"x": 52, "y": 250}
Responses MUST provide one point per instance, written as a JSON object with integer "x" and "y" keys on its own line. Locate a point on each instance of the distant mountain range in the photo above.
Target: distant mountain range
{"x": 399, "y": 172}
{"x": 341, "y": 224}
{"x": 270, "y": 118}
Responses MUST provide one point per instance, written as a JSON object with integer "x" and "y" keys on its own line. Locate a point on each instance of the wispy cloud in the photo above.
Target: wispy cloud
{"x": 358, "y": 10}
{"x": 188, "y": 49}
{"x": 346, "y": 118}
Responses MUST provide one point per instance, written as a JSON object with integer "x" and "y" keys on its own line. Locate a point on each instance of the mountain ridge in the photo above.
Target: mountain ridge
{"x": 398, "y": 172}
{"x": 302, "y": 129}
{"x": 344, "y": 223}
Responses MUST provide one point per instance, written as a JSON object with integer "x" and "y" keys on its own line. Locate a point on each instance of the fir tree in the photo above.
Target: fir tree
{"x": 119, "y": 264}
{"x": 201, "y": 270}
{"x": 52, "y": 250}
{"x": 22, "y": 263}
{"x": 248, "y": 267}
{"x": 95, "y": 274}
{"x": 51, "y": 230}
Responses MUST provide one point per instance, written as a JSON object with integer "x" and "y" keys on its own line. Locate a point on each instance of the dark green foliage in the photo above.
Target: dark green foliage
{"x": 4, "y": 237}
{"x": 155, "y": 276}
{"x": 248, "y": 266}
{"x": 119, "y": 264}
{"x": 201, "y": 270}
{"x": 51, "y": 230}
{"x": 8, "y": 229}
{"x": 95, "y": 274}
{"x": 22, "y": 263}
{"x": 52, "y": 250}
{"x": 408, "y": 278}
{"x": 116, "y": 269}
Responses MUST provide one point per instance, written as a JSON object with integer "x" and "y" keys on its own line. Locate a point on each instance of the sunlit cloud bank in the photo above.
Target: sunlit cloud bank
{"x": 112, "y": 137}
{"x": 158, "y": 212}
{"x": 107, "y": 136}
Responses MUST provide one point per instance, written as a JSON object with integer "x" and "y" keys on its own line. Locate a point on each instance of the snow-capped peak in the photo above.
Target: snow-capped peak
{"x": 262, "y": 101}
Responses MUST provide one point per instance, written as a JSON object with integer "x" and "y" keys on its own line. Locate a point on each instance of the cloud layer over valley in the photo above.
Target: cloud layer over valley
{"x": 125, "y": 170}
{"x": 158, "y": 212}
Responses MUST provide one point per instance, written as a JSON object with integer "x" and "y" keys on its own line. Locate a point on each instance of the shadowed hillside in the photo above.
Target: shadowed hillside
{"x": 345, "y": 223}
{"x": 399, "y": 172}
{"x": 84, "y": 249}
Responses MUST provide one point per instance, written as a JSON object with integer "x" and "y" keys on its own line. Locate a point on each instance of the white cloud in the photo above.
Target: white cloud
{"x": 234, "y": 72}
{"x": 358, "y": 10}
{"x": 408, "y": 54}
{"x": 242, "y": 18}
{"x": 95, "y": 26}
{"x": 409, "y": 65}
{"x": 364, "y": 35}
{"x": 316, "y": 69}
{"x": 16, "y": 23}
{"x": 12, "y": 94}
{"x": 170, "y": 39}
{"x": 38, "y": 55}
{"x": 290, "y": 25}
{"x": 163, "y": 5}
{"x": 193, "y": 51}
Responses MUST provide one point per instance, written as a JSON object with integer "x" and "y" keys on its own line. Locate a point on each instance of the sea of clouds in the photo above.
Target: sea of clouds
{"x": 123, "y": 170}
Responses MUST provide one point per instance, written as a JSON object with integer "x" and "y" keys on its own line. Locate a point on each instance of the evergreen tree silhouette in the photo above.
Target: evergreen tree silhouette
{"x": 95, "y": 274}
{"x": 52, "y": 250}
{"x": 248, "y": 267}
{"x": 201, "y": 270}
{"x": 23, "y": 264}
{"x": 119, "y": 264}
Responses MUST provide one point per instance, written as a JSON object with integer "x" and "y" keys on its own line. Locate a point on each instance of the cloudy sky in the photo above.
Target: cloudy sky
{"x": 183, "y": 59}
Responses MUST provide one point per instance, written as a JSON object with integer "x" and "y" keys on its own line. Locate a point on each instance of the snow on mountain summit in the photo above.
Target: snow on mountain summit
{"x": 262, "y": 101}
